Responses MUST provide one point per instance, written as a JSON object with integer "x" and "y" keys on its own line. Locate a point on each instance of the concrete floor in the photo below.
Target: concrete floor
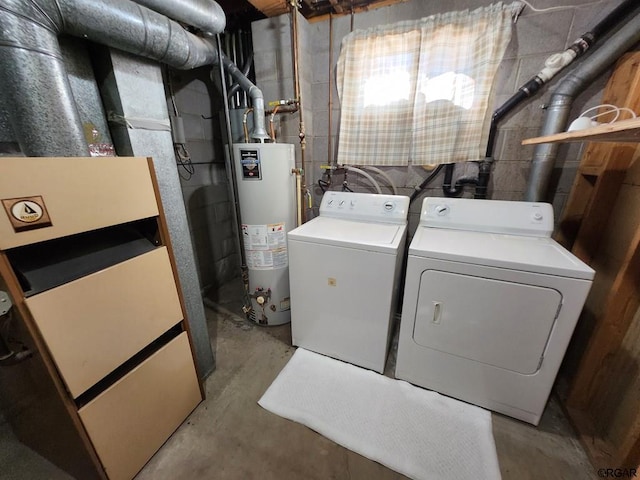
{"x": 230, "y": 437}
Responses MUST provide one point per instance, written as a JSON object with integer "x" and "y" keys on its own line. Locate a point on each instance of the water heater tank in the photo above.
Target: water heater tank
{"x": 267, "y": 199}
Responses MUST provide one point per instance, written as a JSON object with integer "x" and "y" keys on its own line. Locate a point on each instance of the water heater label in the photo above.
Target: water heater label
{"x": 265, "y": 245}
{"x": 250, "y": 162}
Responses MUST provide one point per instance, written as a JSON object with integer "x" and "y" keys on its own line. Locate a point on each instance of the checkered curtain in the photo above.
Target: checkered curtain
{"x": 417, "y": 91}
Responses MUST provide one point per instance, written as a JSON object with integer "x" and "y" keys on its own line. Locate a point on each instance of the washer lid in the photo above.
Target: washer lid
{"x": 377, "y": 237}
{"x": 529, "y": 254}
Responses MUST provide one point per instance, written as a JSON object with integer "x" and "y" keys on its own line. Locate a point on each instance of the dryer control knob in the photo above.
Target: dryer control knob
{"x": 388, "y": 206}
{"x": 537, "y": 216}
{"x": 442, "y": 210}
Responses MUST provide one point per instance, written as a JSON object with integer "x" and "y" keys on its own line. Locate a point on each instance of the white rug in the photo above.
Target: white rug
{"x": 416, "y": 432}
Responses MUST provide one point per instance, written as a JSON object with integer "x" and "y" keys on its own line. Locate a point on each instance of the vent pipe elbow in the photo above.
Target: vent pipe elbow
{"x": 205, "y": 15}
{"x": 259, "y": 132}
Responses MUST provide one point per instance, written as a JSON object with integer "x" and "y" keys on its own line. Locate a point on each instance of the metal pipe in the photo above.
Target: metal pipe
{"x": 205, "y": 15}
{"x": 298, "y": 97}
{"x": 245, "y": 71}
{"x": 557, "y": 113}
{"x": 230, "y": 168}
{"x": 329, "y": 139}
{"x": 259, "y": 132}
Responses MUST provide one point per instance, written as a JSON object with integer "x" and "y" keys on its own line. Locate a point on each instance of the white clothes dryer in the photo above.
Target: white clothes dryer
{"x": 344, "y": 270}
{"x": 490, "y": 304}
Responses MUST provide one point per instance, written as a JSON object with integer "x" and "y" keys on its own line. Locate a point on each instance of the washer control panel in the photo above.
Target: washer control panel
{"x": 496, "y": 216}
{"x": 365, "y": 207}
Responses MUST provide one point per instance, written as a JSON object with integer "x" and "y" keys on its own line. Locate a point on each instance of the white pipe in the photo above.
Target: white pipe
{"x": 298, "y": 196}
{"x": 365, "y": 175}
{"x": 384, "y": 175}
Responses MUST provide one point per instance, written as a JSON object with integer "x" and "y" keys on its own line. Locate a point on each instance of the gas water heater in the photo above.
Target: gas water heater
{"x": 267, "y": 199}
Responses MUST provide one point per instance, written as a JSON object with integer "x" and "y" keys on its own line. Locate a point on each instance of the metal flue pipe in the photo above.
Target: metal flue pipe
{"x": 557, "y": 113}
{"x": 259, "y": 131}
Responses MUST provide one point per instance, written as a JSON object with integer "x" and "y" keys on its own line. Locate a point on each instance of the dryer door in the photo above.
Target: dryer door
{"x": 499, "y": 323}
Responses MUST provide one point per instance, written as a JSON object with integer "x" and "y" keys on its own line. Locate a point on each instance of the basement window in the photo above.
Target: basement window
{"x": 417, "y": 91}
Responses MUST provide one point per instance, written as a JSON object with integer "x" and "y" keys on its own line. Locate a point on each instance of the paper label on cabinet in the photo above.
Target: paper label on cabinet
{"x": 265, "y": 246}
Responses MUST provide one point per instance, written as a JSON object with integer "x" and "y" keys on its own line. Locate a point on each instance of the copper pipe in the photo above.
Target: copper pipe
{"x": 296, "y": 77}
{"x": 282, "y": 109}
{"x": 329, "y": 142}
{"x": 244, "y": 124}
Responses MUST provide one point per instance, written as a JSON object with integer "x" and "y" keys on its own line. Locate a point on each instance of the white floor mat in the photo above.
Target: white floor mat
{"x": 416, "y": 432}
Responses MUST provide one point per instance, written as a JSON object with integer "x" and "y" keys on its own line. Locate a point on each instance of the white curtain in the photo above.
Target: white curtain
{"x": 417, "y": 91}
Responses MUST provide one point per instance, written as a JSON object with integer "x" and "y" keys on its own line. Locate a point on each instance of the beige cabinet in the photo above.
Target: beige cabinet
{"x": 86, "y": 258}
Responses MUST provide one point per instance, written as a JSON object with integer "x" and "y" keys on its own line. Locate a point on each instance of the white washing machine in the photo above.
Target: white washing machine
{"x": 344, "y": 270}
{"x": 490, "y": 304}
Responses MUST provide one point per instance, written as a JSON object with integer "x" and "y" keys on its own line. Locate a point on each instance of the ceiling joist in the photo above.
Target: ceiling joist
{"x": 317, "y": 10}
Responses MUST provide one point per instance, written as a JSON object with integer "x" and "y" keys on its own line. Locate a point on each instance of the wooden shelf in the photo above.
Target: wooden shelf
{"x": 624, "y": 131}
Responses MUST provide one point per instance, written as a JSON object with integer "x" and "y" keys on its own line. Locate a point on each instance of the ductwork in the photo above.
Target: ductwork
{"x": 557, "y": 113}
{"x": 205, "y": 15}
{"x": 33, "y": 82}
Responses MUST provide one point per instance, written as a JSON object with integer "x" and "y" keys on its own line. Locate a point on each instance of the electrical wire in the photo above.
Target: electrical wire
{"x": 559, "y": 7}
{"x": 183, "y": 156}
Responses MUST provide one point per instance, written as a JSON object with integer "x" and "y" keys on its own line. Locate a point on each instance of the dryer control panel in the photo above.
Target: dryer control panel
{"x": 496, "y": 216}
{"x": 365, "y": 207}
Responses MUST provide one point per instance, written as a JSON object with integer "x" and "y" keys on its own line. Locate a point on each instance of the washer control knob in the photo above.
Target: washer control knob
{"x": 389, "y": 206}
{"x": 330, "y": 203}
{"x": 353, "y": 203}
{"x": 341, "y": 204}
{"x": 537, "y": 216}
{"x": 442, "y": 210}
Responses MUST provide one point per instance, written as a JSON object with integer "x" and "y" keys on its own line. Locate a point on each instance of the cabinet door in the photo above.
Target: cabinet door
{"x": 131, "y": 420}
{"x": 94, "y": 324}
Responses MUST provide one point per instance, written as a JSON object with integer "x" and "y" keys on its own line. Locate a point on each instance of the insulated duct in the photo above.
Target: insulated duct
{"x": 33, "y": 81}
{"x": 557, "y": 113}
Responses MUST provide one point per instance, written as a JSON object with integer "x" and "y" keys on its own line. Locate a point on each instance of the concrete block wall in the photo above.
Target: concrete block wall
{"x": 206, "y": 191}
{"x": 535, "y": 36}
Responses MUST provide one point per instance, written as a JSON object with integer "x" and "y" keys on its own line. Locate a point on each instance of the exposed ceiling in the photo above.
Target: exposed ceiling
{"x": 240, "y": 13}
